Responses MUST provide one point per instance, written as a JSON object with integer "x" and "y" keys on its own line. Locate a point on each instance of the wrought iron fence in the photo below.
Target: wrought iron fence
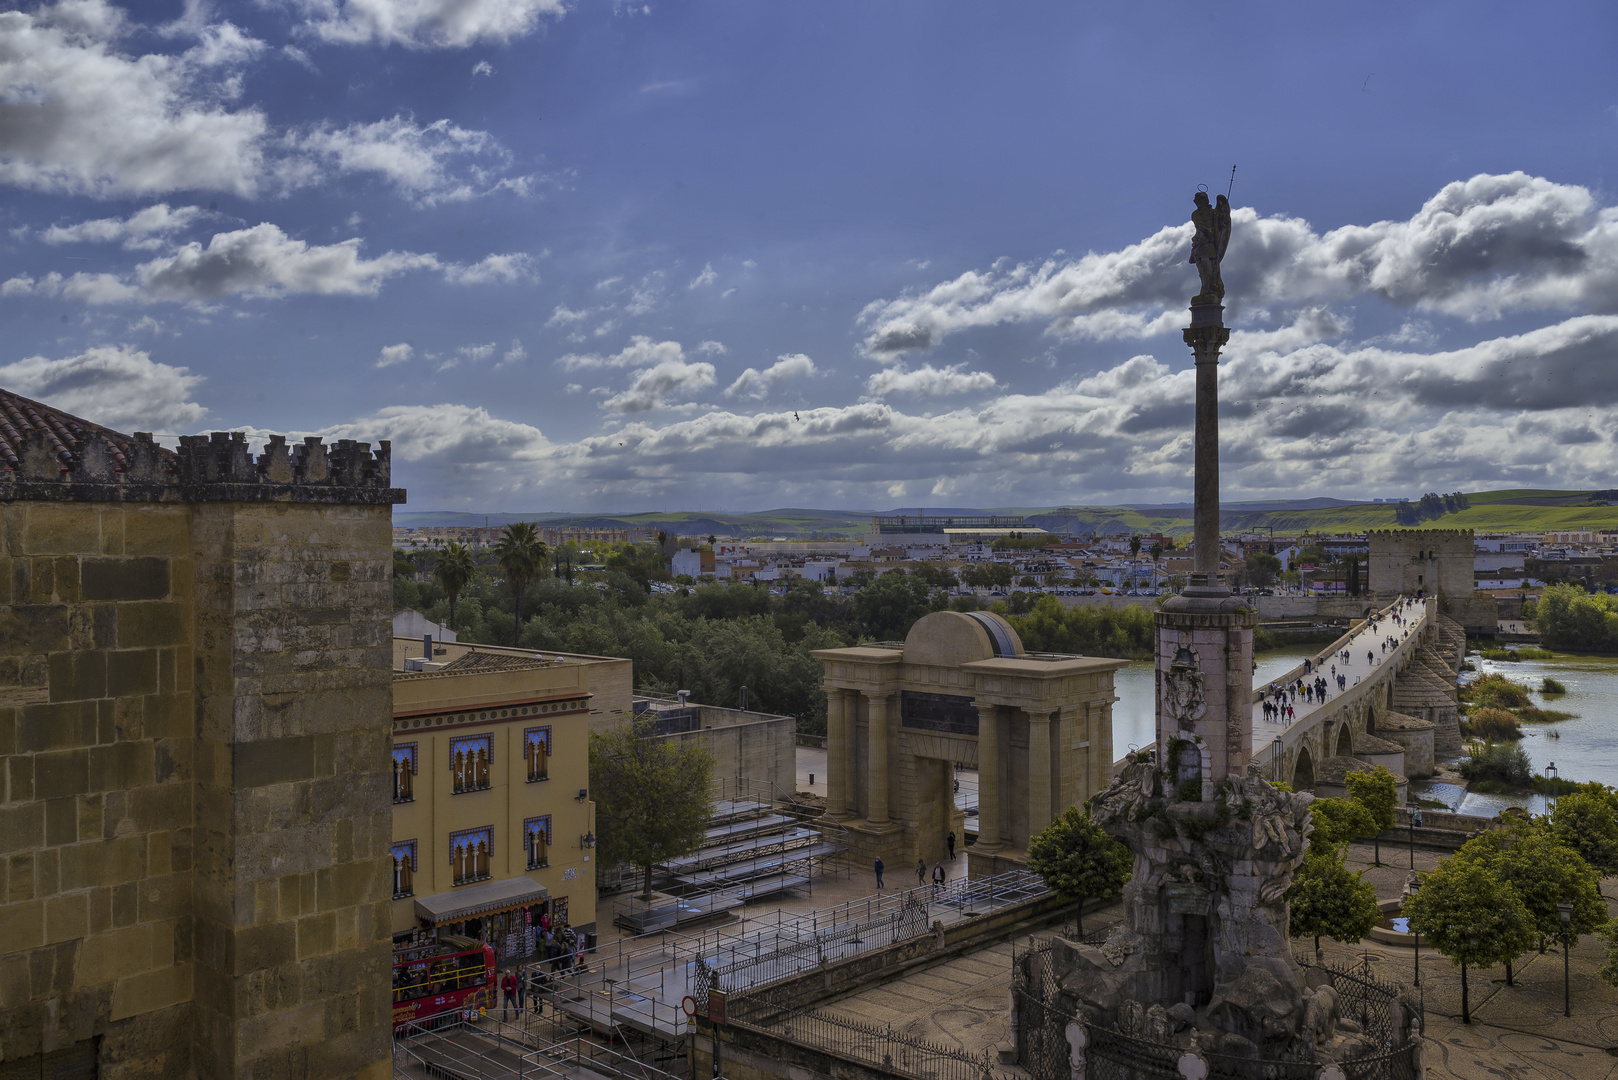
{"x": 1044, "y": 1014}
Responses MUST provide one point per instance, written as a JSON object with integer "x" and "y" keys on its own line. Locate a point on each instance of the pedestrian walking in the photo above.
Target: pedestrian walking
{"x": 508, "y": 995}
{"x": 950, "y": 841}
{"x": 878, "y": 867}
{"x": 921, "y": 872}
{"x": 522, "y": 992}
{"x": 939, "y": 877}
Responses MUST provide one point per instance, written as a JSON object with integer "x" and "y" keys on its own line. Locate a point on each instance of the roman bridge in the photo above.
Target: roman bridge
{"x": 1399, "y": 708}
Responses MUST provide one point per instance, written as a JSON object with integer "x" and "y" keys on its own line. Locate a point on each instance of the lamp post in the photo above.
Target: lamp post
{"x": 1550, "y": 770}
{"x": 1415, "y": 883}
{"x": 1415, "y": 823}
{"x": 1564, "y": 911}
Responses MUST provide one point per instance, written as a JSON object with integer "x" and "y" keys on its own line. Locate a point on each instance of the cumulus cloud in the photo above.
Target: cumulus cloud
{"x": 492, "y": 268}
{"x": 1476, "y": 250}
{"x": 83, "y": 116}
{"x": 114, "y": 385}
{"x": 514, "y": 355}
{"x": 757, "y": 384}
{"x": 428, "y": 163}
{"x": 482, "y": 67}
{"x": 563, "y": 316}
{"x": 425, "y": 24}
{"x": 712, "y": 348}
{"x": 261, "y": 261}
{"x": 707, "y": 277}
{"x": 144, "y": 230}
{"x": 651, "y": 389}
{"x": 928, "y": 381}
{"x": 394, "y": 354}
{"x": 641, "y": 351}
{"x": 1537, "y": 409}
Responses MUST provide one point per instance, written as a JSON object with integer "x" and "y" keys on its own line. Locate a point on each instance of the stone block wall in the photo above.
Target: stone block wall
{"x": 195, "y": 712}
{"x": 96, "y": 730}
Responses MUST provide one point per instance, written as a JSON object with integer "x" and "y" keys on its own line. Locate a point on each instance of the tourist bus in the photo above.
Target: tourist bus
{"x": 449, "y": 975}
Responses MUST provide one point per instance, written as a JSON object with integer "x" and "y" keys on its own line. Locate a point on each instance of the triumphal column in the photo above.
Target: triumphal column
{"x": 1205, "y": 635}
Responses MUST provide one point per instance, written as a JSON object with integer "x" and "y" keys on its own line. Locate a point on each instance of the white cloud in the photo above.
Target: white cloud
{"x": 712, "y": 348}
{"x": 757, "y": 384}
{"x": 394, "y": 354}
{"x": 144, "y": 230}
{"x": 928, "y": 381}
{"x": 447, "y": 435}
{"x": 641, "y": 351}
{"x": 707, "y": 277}
{"x": 260, "y": 261}
{"x": 1476, "y": 250}
{"x": 562, "y": 316}
{"x": 651, "y": 389}
{"x": 475, "y": 353}
{"x": 482, "y": 67}
{"x": 425, "y": 23}
{"x": 429, "y": 163}
{"x": 82, "y": 116}
{"x": 514, "y": 355}
{"x": 113, "y": 385}
{"x": 492, "y": 268}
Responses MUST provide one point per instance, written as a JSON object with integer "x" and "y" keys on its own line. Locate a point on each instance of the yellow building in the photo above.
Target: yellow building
{"x": 492, "y": 820}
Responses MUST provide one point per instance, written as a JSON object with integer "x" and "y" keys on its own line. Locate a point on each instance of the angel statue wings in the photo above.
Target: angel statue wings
{"x": 1208, "y": 245}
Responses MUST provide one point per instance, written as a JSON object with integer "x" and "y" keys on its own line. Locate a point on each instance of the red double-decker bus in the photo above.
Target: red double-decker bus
{"x": 449, "y": 975}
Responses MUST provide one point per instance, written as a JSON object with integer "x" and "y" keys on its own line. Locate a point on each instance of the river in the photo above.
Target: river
{"x": 1584, "y": 748}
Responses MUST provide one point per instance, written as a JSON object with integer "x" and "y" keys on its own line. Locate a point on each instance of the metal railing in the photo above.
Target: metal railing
{"x": 882, "y": 1047}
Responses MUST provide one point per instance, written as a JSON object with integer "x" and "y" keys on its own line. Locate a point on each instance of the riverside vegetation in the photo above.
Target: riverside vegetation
{"x": 712, "y": 639}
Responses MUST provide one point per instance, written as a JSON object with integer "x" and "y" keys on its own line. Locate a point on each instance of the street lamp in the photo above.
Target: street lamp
{"x": 1550, "y": 770}
{"x": 1415, "y": 823}
{"x": 1564, "y": 911}
{"x": 1415, "y": 883}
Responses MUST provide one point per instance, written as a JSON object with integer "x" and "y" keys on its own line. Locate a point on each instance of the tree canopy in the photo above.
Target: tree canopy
{"x": 1327, "y": 899}
{"x": 1078, "y": 860}
{"x": 1378, "y": 792}
{"x": 651, "y": 794}
{"x": 454, "y": 569}
{"x": 522, "y": 558}
{"x": 1471, "y": 916}
{"x": 1587, "y": 821}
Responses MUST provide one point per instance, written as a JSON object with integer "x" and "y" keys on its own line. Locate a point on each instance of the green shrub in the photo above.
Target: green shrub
{"x": 1492, "y": 725}
{"x": 1495, "y": 691}
{"x": 1551, "y": 686}
{"x": 1503, "y": 763}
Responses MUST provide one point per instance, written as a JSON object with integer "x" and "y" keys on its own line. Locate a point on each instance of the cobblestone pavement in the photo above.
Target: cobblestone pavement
{"x": 1517, "y": 1031}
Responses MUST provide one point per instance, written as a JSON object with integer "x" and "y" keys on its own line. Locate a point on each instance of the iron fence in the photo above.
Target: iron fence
{"x": 1044, "y": 1014}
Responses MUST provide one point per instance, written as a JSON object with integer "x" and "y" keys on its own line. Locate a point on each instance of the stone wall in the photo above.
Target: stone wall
{"x": 1406, "y": 561}
{"x": 195, "y": 710}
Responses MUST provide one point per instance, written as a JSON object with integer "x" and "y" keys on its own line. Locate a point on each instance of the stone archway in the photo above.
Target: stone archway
{"x": 1345, "y": 739}
{"x": 1303, "y": 771}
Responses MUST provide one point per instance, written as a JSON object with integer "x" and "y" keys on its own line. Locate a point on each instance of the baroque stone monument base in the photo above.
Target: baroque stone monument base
{"x": 1205, "y": 676}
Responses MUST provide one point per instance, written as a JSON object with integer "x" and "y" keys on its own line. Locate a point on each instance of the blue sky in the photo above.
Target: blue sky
{"x": 598, "y": 256}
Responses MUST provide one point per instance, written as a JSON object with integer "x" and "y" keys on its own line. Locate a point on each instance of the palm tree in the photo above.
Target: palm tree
{"x": 521, "y": 555}
{"x": 454, "y": 570}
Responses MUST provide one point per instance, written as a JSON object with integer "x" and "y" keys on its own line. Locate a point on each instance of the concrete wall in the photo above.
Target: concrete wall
{"x": 749, "y": 745}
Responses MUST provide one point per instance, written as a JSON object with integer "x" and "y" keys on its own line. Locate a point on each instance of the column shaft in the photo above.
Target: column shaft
{"x": 837, "y": 737}
{"x": 876, "y": 760}
{"x": 1206, "y": 486}
{"x": 1039, "y": 772}
{"x": 989, "y": 778}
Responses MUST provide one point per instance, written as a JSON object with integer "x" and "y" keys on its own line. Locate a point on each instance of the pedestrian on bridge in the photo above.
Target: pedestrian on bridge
{"x": 921, "y": 872}
{"x": 939, "y": 877}
{"x": 949, "y": 841}
{"x": 878, "y": 867}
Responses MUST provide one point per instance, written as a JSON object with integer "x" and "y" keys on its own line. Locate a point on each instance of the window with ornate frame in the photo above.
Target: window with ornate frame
{"x": 404, "y": 868}
{"x": 536, "y": 839}
{"x": 470, "y": 761}
{"x": 536, "y": 748}
{"x": 471, "y": 853}
{"x": 404, "y": 771}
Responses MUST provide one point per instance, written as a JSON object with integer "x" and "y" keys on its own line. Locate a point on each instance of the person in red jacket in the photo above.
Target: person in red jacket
{"x": 508, "y": 994}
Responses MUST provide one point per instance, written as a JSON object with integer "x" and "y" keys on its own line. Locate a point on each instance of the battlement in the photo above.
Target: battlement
{"x": 1449, "y": 534}
{"x": 95, "y": 464}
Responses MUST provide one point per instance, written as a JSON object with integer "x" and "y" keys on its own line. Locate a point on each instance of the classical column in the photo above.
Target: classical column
{"x": 876, "y": 760}
{"x": 988, "y": 778}
{"x": 837, "y": 737}
{"x": 1039, "y": 772}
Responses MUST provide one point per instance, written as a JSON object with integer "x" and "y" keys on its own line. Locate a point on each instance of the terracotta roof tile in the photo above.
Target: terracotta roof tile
{"x": 63, "y": 433}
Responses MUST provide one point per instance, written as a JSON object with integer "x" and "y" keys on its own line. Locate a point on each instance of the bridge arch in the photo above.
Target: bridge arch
{"x": 1303, "y": 771}
{"x": 1345, "y": 740}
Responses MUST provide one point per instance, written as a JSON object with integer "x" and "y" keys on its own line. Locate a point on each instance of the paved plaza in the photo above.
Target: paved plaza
{"x": 1517, "y": 1031}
